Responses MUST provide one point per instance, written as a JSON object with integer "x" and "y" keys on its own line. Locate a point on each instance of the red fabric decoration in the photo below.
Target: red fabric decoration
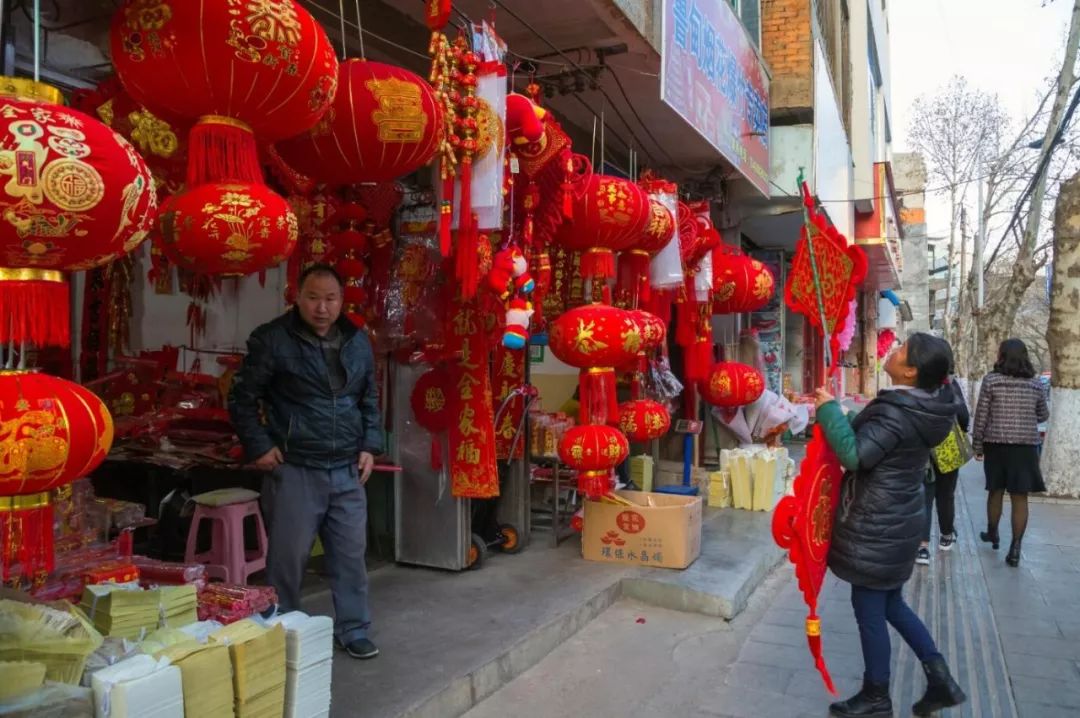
{"x": 593, "y": 451}
{"x": 644, "y": 420}
{"x": 384, "y": 124}
{"x": 740, "y": 283}
{"x": 228, "y": 229}
{"x": 473, "y": 472}
{"x": 52, "y": 431}
{"x": 508, "y": 367}
{"x": 886, "y": 340}
{"x": 732, "y": 384}
{"x": 524, "y": 120}
{"x": 609, "y": 215}
{"x": 438, "y": 14}
{"x": 802, "y": 524}
{"x": 431, "y": 405}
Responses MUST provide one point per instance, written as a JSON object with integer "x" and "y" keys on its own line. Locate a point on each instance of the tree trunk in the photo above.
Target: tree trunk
{"x": 1061, "y": 455}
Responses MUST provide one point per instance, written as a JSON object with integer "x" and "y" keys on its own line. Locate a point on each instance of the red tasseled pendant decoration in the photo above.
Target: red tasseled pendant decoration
{"x": 26, "y": 537}
{"x": 598, "y": 262}
{"x": 446, "y": 214}
{"x": 34, "y": 311}
{"x": 597, "y": 400}
{"x": 221, "y": 149}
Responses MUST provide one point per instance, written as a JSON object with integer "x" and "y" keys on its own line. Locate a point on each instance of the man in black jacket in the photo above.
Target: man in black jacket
{"x": 311, "y": 373}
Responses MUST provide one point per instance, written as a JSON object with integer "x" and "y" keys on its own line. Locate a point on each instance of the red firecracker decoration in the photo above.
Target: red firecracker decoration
{"x": 384, "y": 123}
{"x": 732, "y": 384}
{"x": 227, "y": 229}
{"x": 644, "y": 420}
{"x": 52, "y": 431}
{"x": 593, "y": 451}
{"x": 596, "y": 338}
{"x": 431, "y": 405}
{"x": 740, "y": 283}
{"x": 78, "y": 197}
{"x": 609, "y": 215}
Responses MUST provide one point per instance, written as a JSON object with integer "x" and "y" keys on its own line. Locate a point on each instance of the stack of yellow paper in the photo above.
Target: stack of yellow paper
{"x": 139, "y": 687}
{"x": 737, "y": 463}
{"x": 641, "y": 471}
{"x": 258, "y": 661}
{"x": 179, "y": 605}
{"x": 207, "y": 678}
{"x": 21, "y": 678}
{"x": 309, "y": 655}
{"x": 720, "y": 490}
{"x": 59, "y": 637}
{"x": 120, "y": 611}
{"x": 766, "y": 473}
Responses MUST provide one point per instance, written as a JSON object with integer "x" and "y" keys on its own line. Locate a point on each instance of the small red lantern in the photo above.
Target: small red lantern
{"x": 610, "y": 213}
{"x": 227, "y": 229}
{"x": 52, "y": 431}
{"x": 384, "y": 124}
{"x": 430, "y": 402}
{"x": 593, "y": 451}
{"x": 740, "y": 283}
{"x": 644, "y": 420}
{"x": 732, "y": 384}
{"x": 653, "y": 330}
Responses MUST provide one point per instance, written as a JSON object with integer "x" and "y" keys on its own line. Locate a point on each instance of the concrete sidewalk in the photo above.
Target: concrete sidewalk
{"x": 450, "y": 640}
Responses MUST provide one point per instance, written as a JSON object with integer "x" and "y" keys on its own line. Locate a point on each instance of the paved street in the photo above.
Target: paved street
{"x": 1012, "y": 636}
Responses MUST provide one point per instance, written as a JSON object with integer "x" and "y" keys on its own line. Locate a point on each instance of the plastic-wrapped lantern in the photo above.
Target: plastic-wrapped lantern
{"x": 78, "y": 196}
{"x": 384, "y": 124}
{"x": 644, "y": 420}
{"x": 740, "y": 283}
{"x": 592, "y": 451}
{"x": 52, "y": 431}
{"x": 732, "y": 384}
{"x": 227, "y": 229}
{"x": 609, "y": 215}
{"x": 634, "y": 262}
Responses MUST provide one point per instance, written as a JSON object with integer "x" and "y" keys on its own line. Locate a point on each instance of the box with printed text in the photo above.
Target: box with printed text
{"x": 660, "y": 530}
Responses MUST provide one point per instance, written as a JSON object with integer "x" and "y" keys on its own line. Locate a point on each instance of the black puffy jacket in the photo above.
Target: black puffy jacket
{"x": 881, "y": 516}
{"x": 285, "y": 373}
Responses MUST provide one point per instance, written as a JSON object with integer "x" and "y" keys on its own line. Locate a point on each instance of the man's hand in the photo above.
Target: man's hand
{"x": 822, "y": 397}
{"x": 367, "y": 464}
{"x": 270, "y": 460}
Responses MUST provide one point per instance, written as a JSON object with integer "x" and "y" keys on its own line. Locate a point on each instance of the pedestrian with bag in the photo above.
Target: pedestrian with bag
{"x": 946, "y": 460}
{"x": 1011, "y": 406}
{"x": 882, "y": 515}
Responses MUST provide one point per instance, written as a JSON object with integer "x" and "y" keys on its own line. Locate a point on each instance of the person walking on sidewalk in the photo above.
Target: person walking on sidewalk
{"x": 882, "y": 514}
{"x": 942, "y": 484}
{"x": 312, "y": 374}
{"x": 1011, "y": 406}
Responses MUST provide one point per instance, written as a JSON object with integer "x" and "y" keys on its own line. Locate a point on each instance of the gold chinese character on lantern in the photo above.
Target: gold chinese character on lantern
{"x": 400, "y": 117}
{"x": 434, "y": 400}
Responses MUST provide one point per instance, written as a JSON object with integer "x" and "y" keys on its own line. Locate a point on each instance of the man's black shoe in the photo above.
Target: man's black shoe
{"x": 361, "y": 648}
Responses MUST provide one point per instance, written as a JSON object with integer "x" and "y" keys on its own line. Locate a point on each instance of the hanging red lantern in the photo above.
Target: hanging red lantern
{"x": 740, "y": 283}
{"x": 593, "y": 451}
{"x": 227, "y": 229}
{"x": 52, "y": 431}
{"x": 596, "y": 338}
{"x": 240, "y": 69}
{"x": 635, "y": 261}
{"x": 653, "y": 330}
{"x": 732, "y": 384}
{"x": 78, "y": 197}
{"x": 609, "y": 214}
{"x": 430, "y": 402}
{"x": 644, "y": 420}
{"x": 384, "y": 124}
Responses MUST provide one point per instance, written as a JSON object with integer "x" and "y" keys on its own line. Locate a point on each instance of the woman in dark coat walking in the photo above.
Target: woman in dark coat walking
{"x": 882, "y": 514}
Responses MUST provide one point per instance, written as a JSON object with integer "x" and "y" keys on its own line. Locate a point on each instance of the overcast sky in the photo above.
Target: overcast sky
{"x": 1002, "y": 46}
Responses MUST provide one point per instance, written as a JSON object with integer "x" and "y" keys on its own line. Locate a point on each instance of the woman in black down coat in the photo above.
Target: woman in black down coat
{"x": 882, "y": 514}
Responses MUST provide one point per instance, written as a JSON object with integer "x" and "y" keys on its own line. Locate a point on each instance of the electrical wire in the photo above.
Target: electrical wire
{"x": 390, "y": 43}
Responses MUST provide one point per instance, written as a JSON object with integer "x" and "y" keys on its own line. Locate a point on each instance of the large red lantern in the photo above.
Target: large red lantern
{"x": 644, "y": 420}
{"x": 593, "y": 451}
{"x": 384, "y": 123}
{"x": 227, "y": 229}
{"x": 732, "y": 384}
{"x": 740, "y": 283}
{"x": 609, "y": 214}
{"x": 52, "y": 431}
{"x": 78, "y": 196}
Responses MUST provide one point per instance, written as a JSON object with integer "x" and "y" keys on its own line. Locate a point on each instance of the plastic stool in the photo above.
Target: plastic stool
{"x": 228, "y": 559}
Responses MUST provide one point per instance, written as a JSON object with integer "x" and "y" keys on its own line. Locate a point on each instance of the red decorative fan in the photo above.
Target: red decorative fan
{"x": 802, "y": 524}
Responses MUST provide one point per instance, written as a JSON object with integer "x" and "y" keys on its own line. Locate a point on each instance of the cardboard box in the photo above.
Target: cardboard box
{"x": 658, "y": 530}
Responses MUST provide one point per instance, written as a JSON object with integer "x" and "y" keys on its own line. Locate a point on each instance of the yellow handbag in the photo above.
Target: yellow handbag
{"x": 953, "y": 452}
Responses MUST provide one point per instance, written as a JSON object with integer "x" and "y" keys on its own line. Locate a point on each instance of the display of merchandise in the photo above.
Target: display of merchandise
{"x": 139, "y": 687}
{"x": 258, "y": 663}
{"x": 309, "y": 653}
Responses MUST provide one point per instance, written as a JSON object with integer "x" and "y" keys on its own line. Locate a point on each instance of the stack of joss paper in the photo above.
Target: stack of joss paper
{"x": 309, "y": 651}
{"x": 258, "y": 663}
{"x": 122, "y": 610}
{"x": 139, "y": 687}
{"x": 179, "y": 605}
{"x": 207, "y": 677}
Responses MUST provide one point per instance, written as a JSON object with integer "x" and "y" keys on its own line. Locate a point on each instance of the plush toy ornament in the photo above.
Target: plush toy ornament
{"x": 518, "y": 315}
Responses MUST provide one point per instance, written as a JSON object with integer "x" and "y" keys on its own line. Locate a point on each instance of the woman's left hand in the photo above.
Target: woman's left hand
{"x": 822, "y": 397}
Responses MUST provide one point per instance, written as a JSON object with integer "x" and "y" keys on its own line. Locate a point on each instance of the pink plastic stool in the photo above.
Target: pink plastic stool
{"x": 228, "y": 559}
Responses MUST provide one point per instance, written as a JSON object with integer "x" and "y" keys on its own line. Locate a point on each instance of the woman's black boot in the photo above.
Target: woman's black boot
{"x": 1013, "y": 559}
{"x": 941, "y": 690}
{"x": 871, "y": 702}
{"x": 991, "y": 536}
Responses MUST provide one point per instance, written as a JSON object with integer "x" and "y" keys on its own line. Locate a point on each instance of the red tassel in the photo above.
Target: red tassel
{"x": 26, "y": 536}
{"x": 597, "y": 400}
{"x": 221, "y": 149}
{"x": 594, "y": 484}
{"x": 567, "y": 190}
{"x": 436, "y": 453}
{"x": 813, "y": 640}
{"x": 446, "y": 215}
{"x": 34, "y": 311}
{"x": 598, "y": 262}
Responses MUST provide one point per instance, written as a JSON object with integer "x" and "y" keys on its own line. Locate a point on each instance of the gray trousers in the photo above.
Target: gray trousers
{"x": 298, "y": 503}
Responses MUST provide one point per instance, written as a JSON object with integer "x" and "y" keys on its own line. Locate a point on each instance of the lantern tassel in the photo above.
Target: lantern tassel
{"x": 446, "y": 214}
{"x": 598, "y": 262}
{"x": 436, "y": 453}
{"x": 221, "y": 149}
{"x": 26, "y": 536}
{"x": 34, "y": 311}
{"x": 598, "y": 402}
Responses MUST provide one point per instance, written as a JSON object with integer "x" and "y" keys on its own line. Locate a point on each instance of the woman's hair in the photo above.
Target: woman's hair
{"x": 1013, "y": 360}
{"x": 931, "y": 357}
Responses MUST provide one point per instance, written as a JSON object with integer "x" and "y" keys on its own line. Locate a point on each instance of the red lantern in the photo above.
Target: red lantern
{"x": 635, "y": 261}
{"x": 740, "y": 283}
{"x": 732, "y": 384}
{"x": 644, "y": 420}
{"x": 593, "y": 451}
{"x": 430, "y": 402}
{"x": 653, "y": 330}
{"x": 610, "y": 214}
{"x": 227, "y": 229}
{"x": 384, "y": 124}
{"x": 596, "y": 338}
{"x": 52, "y": 431}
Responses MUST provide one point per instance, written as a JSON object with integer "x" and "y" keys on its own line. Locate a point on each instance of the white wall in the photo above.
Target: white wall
{"x": 790, "y": 147}
{"x": 832, "y": 154}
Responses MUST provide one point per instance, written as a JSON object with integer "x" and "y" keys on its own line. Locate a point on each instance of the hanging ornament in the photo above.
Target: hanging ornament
{"x": 431, "y": 405}
{"x": 644, "y": 420}
{"x": 636, "y": 260}
{"x": 593, "y": 450}
{"x": 732, "y": 384}
{"x": 740, "y": 283}
{"x": 78, "y": 197}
